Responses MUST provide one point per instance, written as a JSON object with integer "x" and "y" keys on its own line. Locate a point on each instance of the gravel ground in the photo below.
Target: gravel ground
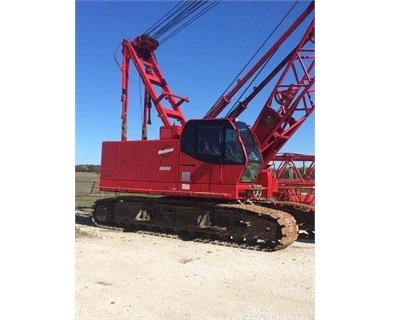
{"x": 140, "y": 276}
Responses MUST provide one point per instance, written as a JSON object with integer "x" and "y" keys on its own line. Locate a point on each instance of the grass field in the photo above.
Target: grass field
{"x": 84, "y": 202}
{"x": 86, "y": 189}
{"x": 86, "y": 183}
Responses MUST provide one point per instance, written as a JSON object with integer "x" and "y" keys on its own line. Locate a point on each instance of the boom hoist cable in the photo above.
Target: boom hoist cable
{"x": 225, "y": 98}
{"x": 254, "y": 55}
{"x": 173, "y": 18}
{"x": 171, "y": 21}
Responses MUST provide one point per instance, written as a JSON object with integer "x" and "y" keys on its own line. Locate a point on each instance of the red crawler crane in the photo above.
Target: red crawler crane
{"x": 203, "y": 171}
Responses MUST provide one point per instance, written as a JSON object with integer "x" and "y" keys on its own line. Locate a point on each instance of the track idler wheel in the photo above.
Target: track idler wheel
{"x": 103, "y": 213}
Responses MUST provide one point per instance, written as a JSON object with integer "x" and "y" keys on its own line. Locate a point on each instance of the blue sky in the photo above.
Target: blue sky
{"x": 199, "y": 62}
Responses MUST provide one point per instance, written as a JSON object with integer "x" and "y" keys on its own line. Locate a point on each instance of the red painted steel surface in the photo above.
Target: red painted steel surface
{"x": 141, "y": 53}
{"x": 158, "y": 167}
{"x": 295, "y": 176}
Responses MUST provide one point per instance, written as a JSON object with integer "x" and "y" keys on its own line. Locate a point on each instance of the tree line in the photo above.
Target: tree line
{"x": 87, "y": 168}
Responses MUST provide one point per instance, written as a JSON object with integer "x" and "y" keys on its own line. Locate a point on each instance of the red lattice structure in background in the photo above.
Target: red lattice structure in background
{"x": 298, "y": 185}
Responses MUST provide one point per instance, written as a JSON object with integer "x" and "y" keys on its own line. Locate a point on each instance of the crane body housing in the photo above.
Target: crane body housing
{"x": 217, "y": 158}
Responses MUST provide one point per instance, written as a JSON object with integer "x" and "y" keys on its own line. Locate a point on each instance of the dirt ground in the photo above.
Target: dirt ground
{"x": 123, "y": 275}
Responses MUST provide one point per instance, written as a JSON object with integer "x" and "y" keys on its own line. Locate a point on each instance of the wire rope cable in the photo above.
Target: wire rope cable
{"x": 253, "y": 56}
{"x": 179, "y": 17}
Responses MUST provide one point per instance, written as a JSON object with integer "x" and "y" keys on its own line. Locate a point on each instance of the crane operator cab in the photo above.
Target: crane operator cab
{"x": 226, "y": 143}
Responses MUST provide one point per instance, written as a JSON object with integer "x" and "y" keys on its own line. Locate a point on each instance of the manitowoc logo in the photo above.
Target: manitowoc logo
{"x": 165, "y": 151}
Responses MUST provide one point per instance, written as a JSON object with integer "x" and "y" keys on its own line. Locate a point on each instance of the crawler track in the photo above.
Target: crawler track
{"x": 304, "y": 215}
{"x": 235, "y": 224}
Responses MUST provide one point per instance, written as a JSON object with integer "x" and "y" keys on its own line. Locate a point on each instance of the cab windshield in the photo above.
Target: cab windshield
{"x": 252, "y": 151}
{"x": 250, "y": 144}
{"x": 217, "y": 141}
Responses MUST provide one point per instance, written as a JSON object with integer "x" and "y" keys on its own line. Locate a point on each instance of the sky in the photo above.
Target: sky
{"x": 199, "y": 62}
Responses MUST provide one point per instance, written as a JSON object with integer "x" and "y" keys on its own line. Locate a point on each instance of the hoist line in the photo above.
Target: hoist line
{"x": 158, "y": 22}
{"x": 190, "y": 21}
{"x": 163, "y": 23}
{"x": 178, "y": 17}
